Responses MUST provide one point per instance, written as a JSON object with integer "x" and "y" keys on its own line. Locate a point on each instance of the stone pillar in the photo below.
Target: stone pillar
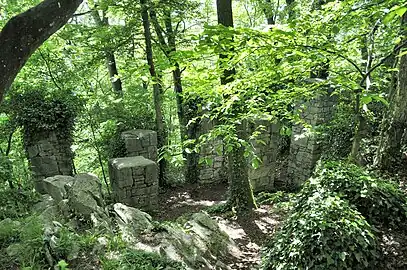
{"x": 48, "y": 156}
{"x": 267, "y": 147}
{"x": 134, "y": 182}
{"x": 140, "y": 142}
{"x": 306, "y": 147}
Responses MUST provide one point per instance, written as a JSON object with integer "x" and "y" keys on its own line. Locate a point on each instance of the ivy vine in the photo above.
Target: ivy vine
{"x": 38, "y": 113}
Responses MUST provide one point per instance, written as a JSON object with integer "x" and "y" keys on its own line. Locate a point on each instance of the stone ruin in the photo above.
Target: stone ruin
{"x": 280, "y": 168}
{"x": 306, "y": 149}
{"x": 268, "y": 147}
{"x": 140, "y": 142}
{"x": 213, "y": 164}
{"x": 134, "y": 178}
{"x": 134, "y": 182}
{"x": 48, "y": 156}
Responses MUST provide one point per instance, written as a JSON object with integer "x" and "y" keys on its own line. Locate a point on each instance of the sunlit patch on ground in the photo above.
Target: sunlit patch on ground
{"x": 249, "y": 234}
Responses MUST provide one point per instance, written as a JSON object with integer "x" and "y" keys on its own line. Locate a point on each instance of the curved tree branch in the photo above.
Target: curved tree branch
{"x": 26, "y": 32}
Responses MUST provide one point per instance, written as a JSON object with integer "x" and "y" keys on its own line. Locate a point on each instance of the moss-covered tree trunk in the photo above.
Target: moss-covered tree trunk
{"x": 157, "y": 93}
{"x": 26, "y": 32}
{"x": 240, "y": 191}
{"x": 390, "y": 156}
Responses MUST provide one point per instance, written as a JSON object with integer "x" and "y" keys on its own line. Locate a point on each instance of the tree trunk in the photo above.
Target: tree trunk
{"x": 240, "y": 191}
{"x": 225, "y": 18}
{"x": 290, "y": 8}
{"x": 110, "y": 59}
{"x": 268, "y": 12}
{"x": 26, "y": 32}
{"x": 390, "y": 156}
{"x": 157, "y": 93}
{"x": 188, "y": 132}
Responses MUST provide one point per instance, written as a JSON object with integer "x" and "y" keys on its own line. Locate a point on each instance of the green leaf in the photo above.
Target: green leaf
{"x": 335, "y": 29}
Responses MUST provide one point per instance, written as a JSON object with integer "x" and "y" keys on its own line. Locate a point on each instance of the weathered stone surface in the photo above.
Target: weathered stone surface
{"x": 131, "y": 221}
{"x": 46, "y": 201}
{"x": 85, "y": 195}
{"x": 48, "y": 156}
{"x": 306, "y": 147}
{"x": 56, "y": 186}
{"x": 140, "y": 143}
{"x": 134, "y": 181}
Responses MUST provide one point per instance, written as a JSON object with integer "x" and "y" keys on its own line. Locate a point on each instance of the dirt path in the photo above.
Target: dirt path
{"x": 249, "y": 234}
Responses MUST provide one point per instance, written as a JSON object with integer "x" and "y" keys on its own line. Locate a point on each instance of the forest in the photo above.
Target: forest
{"x": 203, "y": 134}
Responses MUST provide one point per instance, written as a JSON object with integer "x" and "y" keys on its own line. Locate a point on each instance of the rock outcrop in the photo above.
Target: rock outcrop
{"x": 198, "y": 243}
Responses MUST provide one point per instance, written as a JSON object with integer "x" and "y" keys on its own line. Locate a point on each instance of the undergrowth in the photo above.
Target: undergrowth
{"x": 331, "y": 223}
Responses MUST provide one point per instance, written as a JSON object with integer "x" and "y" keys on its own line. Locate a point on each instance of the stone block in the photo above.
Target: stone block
{"x": 141, "y": 172}
{"x": 33, "y": 151}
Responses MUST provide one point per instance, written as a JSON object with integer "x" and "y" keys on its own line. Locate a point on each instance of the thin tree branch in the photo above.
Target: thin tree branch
{"x": 49, "y": 70}
{"x": 384, "y": 59}
{"x": 81, "y": 14}
{"x": 337, "y": 54}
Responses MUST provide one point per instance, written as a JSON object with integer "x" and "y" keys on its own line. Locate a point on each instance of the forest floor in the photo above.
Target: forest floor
{"x": 248, "y": 234}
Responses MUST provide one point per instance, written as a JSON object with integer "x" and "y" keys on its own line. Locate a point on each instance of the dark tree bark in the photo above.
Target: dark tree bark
{"x": 240, "y": 191}
{"x": 26, "y": 32}
{"x": 225, "y": 18}
{"x": 390, "y": 156}
{"x": 290, "y": 8}
{"x": 157, "y": 92}
{"x": 110, "y": 58}
{"x": 268, "y": 12}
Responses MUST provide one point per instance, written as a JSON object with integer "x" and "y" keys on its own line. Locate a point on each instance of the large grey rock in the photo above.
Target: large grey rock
{"x": 56, "y": 186}
{"x": 46, "y": 201}
{"x": 131, "y": 221}
{"x": 85, "y": 195}
{"x": 200, "y": 243}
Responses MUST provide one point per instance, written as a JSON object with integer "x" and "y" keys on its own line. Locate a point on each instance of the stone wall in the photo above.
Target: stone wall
{"x": 269, "y": 150}
{"x": 140, "y": 142}
{"x": 134, "y": 182}
{"x": 306, "y": 147}
{"x": 212, "y": 163}
{"x": 48, "y": 156}
{"x": 268, "y": 147}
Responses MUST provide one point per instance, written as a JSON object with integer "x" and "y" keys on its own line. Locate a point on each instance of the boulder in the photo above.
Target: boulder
{"x": 85, "y": 195}
{"x": 56, "y": 186}
{"x": 131, "y": 221}
{"x": 200, "y": 243}
{"x": 46, "y": 201}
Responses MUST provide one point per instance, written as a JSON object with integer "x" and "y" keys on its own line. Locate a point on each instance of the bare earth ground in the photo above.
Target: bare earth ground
{"x": 249, "y": 234}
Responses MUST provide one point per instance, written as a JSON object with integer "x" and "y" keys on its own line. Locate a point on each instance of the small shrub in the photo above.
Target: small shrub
{"x": 29, "y": 250}
{"x": 323, "y": 232}
{"x": 9, "y": 232}
{"x": 16, "y": 203}
{"x": 140, "y": 260}
{"x": 380, "y": 201}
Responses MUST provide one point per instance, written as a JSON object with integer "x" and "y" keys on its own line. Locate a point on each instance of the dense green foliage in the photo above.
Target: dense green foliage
{"x": 350, "y": 50}
{"x": 330, "y": 223}
{"x": 380, "y": 201}
{"x": 16, "y": 203}
{"x": 37, "y": 113}
{"x": 324, "y": 232}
